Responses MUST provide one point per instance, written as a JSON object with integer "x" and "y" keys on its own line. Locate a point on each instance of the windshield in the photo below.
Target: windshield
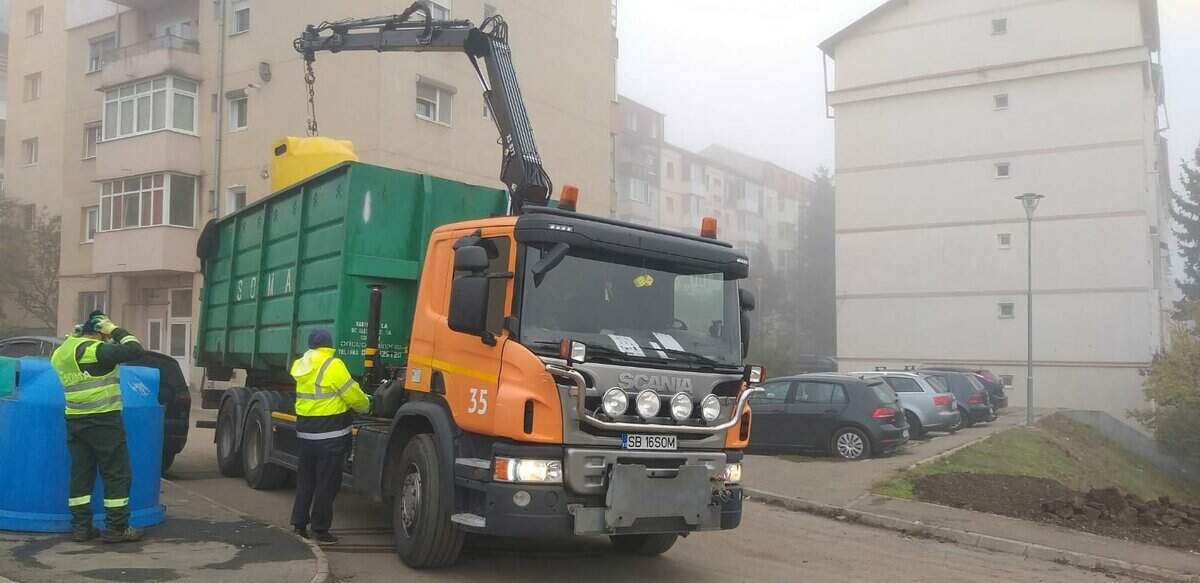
{"x": 631, "y": 309}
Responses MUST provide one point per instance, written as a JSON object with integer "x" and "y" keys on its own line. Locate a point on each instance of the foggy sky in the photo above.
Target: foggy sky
{"x": 747, "y": 74}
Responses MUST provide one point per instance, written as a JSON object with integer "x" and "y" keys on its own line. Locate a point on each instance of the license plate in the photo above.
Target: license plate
{"x": 642, "y": 441}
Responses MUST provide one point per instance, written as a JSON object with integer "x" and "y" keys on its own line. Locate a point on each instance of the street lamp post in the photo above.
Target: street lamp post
{"x": 1030, "y": 201}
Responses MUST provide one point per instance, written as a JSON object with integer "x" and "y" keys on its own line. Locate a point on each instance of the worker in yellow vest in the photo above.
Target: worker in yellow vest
{"x": 325, "y": 394}
{"x": 87, "y": 366}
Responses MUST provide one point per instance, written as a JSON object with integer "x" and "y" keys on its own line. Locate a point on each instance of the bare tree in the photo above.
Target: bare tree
{"x": 30, "y": 262}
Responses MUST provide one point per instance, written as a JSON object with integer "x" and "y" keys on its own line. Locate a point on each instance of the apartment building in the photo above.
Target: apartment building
{"x": 945, "y": 111}
{"x": 155, "y": 115}
{"x": 760, "y": 207}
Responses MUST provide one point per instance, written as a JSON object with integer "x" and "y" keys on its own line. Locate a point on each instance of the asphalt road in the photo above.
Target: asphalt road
{"x": 771, "y": 545}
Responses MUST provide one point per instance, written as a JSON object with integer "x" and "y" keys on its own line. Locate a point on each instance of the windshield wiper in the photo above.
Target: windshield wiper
{"x": 699, "y": 358}
{"x": 603, "y": 352}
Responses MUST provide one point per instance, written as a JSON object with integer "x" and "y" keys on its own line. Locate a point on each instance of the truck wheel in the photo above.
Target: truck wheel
{"x": 421, "y": 525}
{"x": 229, "y": 451}
{"x": 647, "y": 545}
{"x": 260, "y": 473}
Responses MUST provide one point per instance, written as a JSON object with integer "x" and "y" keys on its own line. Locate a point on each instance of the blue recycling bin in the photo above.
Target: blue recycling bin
{"x": 35, "y": 467}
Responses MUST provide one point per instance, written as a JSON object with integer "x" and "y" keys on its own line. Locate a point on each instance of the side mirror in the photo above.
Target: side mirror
{"x": 746, "y": 299}
{"x": 472, "y": 258}
{"x": 572, "y": 351}
{"x": 468, "y": 302}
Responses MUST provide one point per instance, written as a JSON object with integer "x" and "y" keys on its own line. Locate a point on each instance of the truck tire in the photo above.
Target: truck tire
{"x": 260, "y": 473}
{"x": 646, "y": 545}
{"x": 229, "y": 448}
{"x": 167, "y": 460}
{"x": 421, "y": 526}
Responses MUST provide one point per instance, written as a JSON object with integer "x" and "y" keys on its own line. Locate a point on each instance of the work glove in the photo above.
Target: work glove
{"x": 77, "y": 331}
{"x": 371, "y": 405}
{"x": 103, "y": 325}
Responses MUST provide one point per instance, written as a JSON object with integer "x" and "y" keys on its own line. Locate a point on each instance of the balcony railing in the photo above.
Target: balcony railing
{"x": 166, "y": 41}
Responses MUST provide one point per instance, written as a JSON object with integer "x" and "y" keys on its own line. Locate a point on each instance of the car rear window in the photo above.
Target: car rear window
{"x": 974, "y": 382}
{"x": 938, "y": 383}
{"x": 883, "y": 392}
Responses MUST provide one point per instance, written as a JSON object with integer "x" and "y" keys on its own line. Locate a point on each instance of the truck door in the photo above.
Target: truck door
{"x": 465, "y": 366}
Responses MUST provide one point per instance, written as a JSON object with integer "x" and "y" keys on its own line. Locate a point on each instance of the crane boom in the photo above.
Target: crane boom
{"x": 521, "y": 168}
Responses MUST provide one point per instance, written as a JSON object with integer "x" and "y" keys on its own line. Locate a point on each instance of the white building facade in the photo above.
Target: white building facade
{"x": 944, "y": 112}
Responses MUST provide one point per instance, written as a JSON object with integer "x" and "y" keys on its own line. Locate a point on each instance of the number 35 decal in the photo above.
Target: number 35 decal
{"x": 479, "y": 403}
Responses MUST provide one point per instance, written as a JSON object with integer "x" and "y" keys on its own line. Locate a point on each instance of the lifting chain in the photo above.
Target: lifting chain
{"x": 310, "y": 80}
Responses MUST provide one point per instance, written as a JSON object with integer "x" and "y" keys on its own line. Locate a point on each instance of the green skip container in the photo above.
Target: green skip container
{"x": 304, "y": 257}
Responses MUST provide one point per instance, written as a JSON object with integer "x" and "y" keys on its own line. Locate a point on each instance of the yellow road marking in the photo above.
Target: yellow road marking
{"x": 454, "y": 368}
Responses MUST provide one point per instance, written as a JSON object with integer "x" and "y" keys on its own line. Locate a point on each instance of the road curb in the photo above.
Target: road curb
{"x": 968, "y": 538}
{"x": 322, "y": 573}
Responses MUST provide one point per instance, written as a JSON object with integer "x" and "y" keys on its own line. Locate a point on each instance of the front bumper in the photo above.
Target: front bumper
{"x": 635, "y": 494}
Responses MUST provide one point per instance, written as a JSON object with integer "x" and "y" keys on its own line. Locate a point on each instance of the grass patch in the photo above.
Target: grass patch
{"x": 1058, "y": 449}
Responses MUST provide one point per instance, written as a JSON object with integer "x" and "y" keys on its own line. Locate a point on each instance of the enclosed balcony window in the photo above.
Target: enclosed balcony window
{"x": 147, "y": 201}
{"x": 146, "y": 106}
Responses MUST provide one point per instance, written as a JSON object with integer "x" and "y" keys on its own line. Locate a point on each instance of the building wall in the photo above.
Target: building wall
{"x": 930, "y": 242}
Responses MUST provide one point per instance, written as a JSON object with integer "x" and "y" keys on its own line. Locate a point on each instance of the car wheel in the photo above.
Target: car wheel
{"x": 421, "y": 526}
{"x": 966, "y": 418}
{"x": 914, "y": 425}
{"x": 229, "y": 450}
{"x": 261, "y": 474}
{"x": 646, "y": 545}
{"x": 851, "y": 444}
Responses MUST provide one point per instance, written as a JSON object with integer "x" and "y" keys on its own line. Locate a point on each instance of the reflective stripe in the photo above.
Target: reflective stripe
{"x": 115, "y": 502}
{"x": 79, "y": 500}
{"x": 91, "y": 385}
{"x": 130, "y": 338}
{"x": 94, "y": 404}
{"x": 321, "y": 397}
{"x": 321, "y": 375}
{"x": 326, "y": 435}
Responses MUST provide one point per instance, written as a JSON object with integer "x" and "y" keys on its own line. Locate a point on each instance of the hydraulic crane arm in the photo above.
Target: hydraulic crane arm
{"x": 521, "y": 169}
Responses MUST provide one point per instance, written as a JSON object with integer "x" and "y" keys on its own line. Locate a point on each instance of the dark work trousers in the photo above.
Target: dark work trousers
{"x": 98, "y": 441}
{"x": 318, "y": 479}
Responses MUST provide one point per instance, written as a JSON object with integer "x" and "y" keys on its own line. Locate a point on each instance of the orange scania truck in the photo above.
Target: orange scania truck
{"x": 537, "y": 372}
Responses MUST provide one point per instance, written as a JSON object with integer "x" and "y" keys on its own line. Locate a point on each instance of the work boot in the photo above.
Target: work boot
{"x": 82, "y": 535}
{"x": 323, "y": 537}
{"x": 300, "y": 531}
{"x": 128, "y": 535}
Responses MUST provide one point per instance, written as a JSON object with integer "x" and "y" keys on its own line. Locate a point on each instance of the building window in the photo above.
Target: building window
{"x": 631, "y": 122}
{"x": 1000, "y": 101}
{"x": 91, "y": 222}
{"x": 1003, "y": 170}
{"x": 33, "y": 87}
{"x": 999, "y": 26}
{"x": 34, "y": 21}
{"x": 670, "y": 170}
{"x": 1006, "y": 310}
{"x": 90, "y": 302}
{"x": 670, "y": 205}
{"x": 239, "y": 111}
{"x": 687, "y": 170}
{"x": 96, "y": 49}
{"x": 91, "y": 137}
{"x": 433, "y": 102}
{"x": 1006, "y": 380}
{"x": 1004, "y": 240}
{"x": 241, "y": 16}
{"x": 146, "y": 201}
{"x": 29, "y": 151}
{"x": 654, "y": 130}
{"x": 145, "y": 106}
{"x": 236, "y": 199}
{"x": 154, "y": 335}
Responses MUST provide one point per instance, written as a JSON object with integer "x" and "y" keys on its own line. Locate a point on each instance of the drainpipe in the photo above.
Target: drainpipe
{"x": 220, "y": 109}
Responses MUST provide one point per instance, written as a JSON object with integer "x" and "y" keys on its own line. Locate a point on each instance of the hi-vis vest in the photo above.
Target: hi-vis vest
{"x": 85, "y": 394}
{"x": 324, "y": 390}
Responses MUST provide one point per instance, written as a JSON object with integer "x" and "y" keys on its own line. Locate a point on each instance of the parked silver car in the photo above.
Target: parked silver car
{"x": 929, "y": 406}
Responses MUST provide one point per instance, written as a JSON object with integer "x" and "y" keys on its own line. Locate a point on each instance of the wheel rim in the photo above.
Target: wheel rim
{"x": 850, "y": 445}
{"x": 410, "y": 499}
{"x": 253, "y": 452}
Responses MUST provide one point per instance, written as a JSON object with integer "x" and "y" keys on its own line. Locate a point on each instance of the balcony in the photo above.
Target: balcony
{"x": 157, "y": 56}
{"x": 146, "y": 250}
{"x": 159, "y": 151}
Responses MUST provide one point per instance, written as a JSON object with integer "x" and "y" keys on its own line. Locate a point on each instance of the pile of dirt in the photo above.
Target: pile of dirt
{"x": 1107, "y": 511}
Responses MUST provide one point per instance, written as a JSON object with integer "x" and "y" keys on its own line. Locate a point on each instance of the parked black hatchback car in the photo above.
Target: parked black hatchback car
{"x": 849, "y": 417}
{"x": 974, "y": 402}
{"x": 172, "y": 387}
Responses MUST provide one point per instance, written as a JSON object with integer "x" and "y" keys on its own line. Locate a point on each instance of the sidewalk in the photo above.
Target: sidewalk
{"x": 201, "y": 540}
{"x": 840, "y": 489}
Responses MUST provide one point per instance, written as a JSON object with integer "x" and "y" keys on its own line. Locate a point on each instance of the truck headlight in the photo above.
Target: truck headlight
{"x": 733, "y": 473}
{"x": 648, "y": 404}
{"x": 614, "y": 402}
{"x": 524, "y": 470}
{"x": 710, "y": 408}
{"x": 681, "y": 406}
